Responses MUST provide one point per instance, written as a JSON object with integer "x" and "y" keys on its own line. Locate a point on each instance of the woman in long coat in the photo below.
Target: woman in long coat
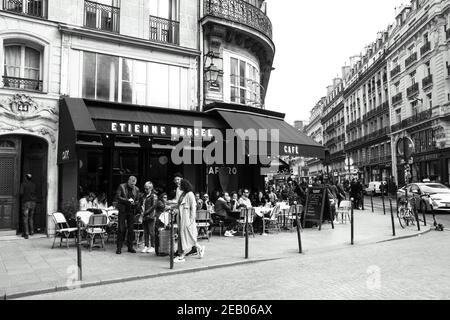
{"x": 187, "y": 226}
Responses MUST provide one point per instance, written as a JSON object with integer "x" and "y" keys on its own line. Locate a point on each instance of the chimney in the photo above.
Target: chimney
{"x": 345, "y": 71}
{"x": 329, "y": 90}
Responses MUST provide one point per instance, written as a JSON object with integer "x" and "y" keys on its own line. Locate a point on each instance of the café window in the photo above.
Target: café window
{"x": 134, "y": 81}
{"x": 22, "y": 67}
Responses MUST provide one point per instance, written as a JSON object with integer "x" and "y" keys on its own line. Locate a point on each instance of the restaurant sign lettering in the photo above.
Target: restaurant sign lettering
{"x": 153, "y": 130}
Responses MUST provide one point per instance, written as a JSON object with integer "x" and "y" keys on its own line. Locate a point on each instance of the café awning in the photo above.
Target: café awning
{"x": 292, "y": 142}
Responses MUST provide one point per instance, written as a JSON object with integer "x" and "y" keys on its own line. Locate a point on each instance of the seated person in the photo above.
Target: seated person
{"x": 234, "y": 203}
{"x": 207, "y": 204}
{"x": 260, "y": 200}
{"x": 223, "y": 212}
{"x": 244, "y": 201}
{"x": 100, "y": 202}
{"x": 86, "y": 202}
{"x": 198, "y": 201}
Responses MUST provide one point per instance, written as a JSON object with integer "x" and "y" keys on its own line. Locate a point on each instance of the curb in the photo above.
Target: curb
{"x": 88, "y": 284}
{"x": 407, "y": 237}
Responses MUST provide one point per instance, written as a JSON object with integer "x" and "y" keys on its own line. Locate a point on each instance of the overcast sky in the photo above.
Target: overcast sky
{"x": 313, "y": 40}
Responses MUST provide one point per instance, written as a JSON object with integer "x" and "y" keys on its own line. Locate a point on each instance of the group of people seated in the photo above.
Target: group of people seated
{"x": 91, "y": 201}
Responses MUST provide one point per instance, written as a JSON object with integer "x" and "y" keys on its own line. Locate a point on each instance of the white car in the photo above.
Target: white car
{"x": 428, "y": 197}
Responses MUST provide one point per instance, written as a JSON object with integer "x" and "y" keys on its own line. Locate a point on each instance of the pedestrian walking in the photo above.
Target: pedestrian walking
{"x": 187, "y": 210}
{"x": 28, "y": 197}
{"x": 127, "y": 197}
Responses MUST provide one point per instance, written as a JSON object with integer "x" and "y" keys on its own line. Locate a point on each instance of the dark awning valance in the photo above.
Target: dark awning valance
{"x": 292, "y": 142}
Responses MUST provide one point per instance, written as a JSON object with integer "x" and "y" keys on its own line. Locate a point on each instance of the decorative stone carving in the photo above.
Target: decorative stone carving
{"x": 21, "y": 114}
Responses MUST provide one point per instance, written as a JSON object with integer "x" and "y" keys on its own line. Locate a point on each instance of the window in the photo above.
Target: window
{"x": 134, "y": 81}
{"x": 22, "y": 67}
{"x": 398, "y": 115}
{"x": 35, "y": 8}
{"x": 244, "y": 83}
{"x": 100, "y": 76}
{"x": 166, "y": 9}
{"x": 164, "y": 25}
{"x": 102, "y": 14}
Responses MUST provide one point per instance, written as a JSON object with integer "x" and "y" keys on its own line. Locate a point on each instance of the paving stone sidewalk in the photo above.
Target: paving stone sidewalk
{"x": 31, "y": 266}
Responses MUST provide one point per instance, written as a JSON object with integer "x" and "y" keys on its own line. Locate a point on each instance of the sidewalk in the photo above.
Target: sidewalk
{"x": 30, "y": 266}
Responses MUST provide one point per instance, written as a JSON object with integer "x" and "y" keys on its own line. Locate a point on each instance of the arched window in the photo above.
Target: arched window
{"x": 22, "y": 67}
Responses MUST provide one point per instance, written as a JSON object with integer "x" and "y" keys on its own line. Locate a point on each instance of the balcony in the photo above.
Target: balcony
{"x": 34, "y": 8}
{"x": 425, "y": 48}
{"x": 241, "y": 12}
{"x": 415, "y": 119}
{"x": 397, "y": 98}
{"x": 412, "y": 90}
{"x": 101, "y": 17}
{"x": 427, "y": 81}
{"x": 21, "y": 83}
{"x": 164, "y": 30}
{"x": 396, "y": 71}
{"x": 410, "y": 59}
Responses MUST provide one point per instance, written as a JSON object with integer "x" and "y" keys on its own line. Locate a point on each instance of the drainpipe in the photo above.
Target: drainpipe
{"x": 200, "y": 62}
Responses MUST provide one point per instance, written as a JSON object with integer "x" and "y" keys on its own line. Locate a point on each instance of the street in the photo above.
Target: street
{"x": 441, "y": 218}
{"x": 414, "y": 268}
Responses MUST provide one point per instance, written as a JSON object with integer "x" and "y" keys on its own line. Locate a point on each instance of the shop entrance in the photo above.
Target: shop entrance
{"x": 20, "y": 155}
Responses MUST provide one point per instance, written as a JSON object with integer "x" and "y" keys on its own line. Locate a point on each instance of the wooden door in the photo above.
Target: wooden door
{"x": 9, "y": 155}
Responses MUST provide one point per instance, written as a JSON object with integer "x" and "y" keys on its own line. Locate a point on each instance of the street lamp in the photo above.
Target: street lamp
{"x": 212, "y": 72}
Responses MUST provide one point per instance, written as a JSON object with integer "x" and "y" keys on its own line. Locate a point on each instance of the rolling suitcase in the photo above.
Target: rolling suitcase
{"x": 162, "y": 244}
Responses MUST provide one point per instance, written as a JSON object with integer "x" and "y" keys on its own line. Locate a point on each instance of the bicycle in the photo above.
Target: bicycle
{"x": 405, "y": 214}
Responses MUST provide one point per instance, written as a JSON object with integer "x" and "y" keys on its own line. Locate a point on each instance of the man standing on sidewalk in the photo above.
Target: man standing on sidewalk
{"x": 28, "y": 197}
{"x": 127, "y": 197}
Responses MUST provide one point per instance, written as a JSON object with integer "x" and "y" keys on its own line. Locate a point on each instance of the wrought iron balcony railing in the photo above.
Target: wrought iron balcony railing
{"x": 427, "y": 81}
{"x": 240, "y": 11}
{"x": 34, "y": 8}
{"x": 395, "y": 71}
{"x": 410, "y": 59}
{"x": 102, "y": 17}
{"x": 164, "y": 30}
{"x": 417, "y": 118}
{"x": 425, "y": 48}
{"x": 21, "y": 83}
{"x": 412, "y": 90}
{"x": 397, "y": 98}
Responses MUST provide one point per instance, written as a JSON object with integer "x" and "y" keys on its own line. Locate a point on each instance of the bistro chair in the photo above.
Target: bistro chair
{"x": 344, "y": 210}
{"x": 138, "y": 229}
{"x": 217, "y": 222}
{"x": 96, "y": 228}
{"x": 250, "y": 213}
{"x": 113, "y": 224}
{"x": 272, "y": 222}
{"x": 62, "y": 229}
{"x": 291, "y": 217}
{"x": 203, "y": 221}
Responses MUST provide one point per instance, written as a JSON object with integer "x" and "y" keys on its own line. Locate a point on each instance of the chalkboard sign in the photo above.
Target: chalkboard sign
{"x": 317, "y": 207}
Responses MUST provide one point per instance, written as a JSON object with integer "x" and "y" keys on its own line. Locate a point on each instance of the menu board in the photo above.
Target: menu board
{"x": 315, "y": 204}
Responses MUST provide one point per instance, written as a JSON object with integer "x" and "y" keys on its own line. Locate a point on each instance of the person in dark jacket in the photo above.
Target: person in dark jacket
{"x": 28, "y": 197}
{"x": 149, "y": 217}
{"x": 223, "y": 210}
{"x": 127, "y": 197}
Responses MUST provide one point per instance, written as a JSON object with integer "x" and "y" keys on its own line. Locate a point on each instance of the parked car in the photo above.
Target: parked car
{"x": 428, "y": 197}
{"x": 374, "y": 188}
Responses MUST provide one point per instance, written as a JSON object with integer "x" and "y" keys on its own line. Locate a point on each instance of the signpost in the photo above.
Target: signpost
{"x": 316, "y": 203}
{"x": 349, "y": 163}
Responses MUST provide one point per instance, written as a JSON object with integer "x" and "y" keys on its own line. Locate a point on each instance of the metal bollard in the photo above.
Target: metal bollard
{"x": 80, "y": 273}
{"x": 424, "y": 217}
{"x": 352, "y": 223}
{"x": 416, "y": 215}
{"x": 300, "y": 250}
{"x": 392, "y": 217}
{"x": 384, "y": 205}
{"x": 246, "y": 233}
{"x": 171, "y": 240}
{"x": 371, "y": 200}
